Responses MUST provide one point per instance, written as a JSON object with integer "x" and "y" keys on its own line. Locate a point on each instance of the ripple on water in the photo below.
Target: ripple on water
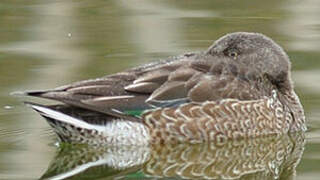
{"x": 11, "y": 135}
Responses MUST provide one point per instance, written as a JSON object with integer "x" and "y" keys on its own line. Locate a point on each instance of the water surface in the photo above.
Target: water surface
{"x": 44, "y": 44}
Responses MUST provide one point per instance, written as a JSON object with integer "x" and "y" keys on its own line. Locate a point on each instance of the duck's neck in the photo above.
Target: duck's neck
{"x": 296, "y": 110}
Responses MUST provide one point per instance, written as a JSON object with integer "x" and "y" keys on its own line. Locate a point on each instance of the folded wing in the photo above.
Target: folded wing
{"x": 166, "y": 83}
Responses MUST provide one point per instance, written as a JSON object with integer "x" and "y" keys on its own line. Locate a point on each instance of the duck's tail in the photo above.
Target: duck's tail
{"x": 80, "y": 126}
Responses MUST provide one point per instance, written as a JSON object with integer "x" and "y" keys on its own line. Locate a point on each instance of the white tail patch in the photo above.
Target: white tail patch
{"x": 50, "y": 113}
{"x": 115, "y": 132}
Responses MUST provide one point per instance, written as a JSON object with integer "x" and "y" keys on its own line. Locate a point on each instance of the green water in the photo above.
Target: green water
{"x": 44, "y": 44}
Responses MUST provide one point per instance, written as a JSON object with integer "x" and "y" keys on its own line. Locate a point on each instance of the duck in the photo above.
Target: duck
{"x": 239, "y": 88}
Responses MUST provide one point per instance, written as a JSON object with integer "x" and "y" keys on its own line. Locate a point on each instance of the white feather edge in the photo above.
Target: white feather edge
{"x": 50, "y": 113}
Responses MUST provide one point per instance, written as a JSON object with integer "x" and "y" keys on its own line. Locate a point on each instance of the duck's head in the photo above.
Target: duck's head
{"x": 258, "y": 53}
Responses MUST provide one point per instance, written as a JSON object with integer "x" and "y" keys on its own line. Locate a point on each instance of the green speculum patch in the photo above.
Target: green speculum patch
{"x": 134, "y": 112}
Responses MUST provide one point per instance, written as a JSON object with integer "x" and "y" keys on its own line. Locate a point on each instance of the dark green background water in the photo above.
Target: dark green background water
{"x": 48, "y": 43}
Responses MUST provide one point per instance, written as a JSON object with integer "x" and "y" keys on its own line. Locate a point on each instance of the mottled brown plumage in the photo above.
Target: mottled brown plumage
{"x": 218, "y": 120}
{"x": 241, "y": 77}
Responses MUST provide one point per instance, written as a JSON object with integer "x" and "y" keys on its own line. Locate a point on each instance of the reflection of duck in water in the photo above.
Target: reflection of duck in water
{"x": 269, "y": 157}
{"x": 240, "y": 87}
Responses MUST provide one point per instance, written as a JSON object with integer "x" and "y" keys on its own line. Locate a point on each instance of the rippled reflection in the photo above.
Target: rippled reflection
{"x": 268, "y": 157}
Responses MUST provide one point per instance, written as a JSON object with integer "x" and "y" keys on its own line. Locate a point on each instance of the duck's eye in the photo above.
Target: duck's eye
{"x": 233, "y": 54}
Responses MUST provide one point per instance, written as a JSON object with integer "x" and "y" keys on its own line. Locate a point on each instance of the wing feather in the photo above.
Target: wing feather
{"x": 166, "y": 83}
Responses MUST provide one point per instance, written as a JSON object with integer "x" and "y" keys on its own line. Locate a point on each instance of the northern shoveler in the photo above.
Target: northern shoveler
{"x": 240, "y": 87}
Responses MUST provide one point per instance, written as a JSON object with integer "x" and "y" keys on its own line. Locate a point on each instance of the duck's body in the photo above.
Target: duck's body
{"x": 241, "y": 87}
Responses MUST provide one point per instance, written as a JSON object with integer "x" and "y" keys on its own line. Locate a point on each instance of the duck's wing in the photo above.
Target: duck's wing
{"x": 199, "y": 81}
{"x": 166, "y": 83}
{"x": 108, "y": 94}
